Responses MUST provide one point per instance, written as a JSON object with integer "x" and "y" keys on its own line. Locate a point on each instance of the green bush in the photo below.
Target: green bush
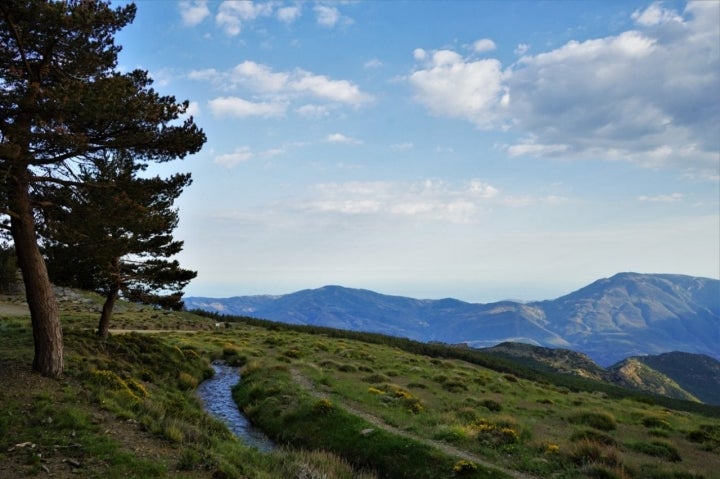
{"x": 491, "y": 405}
{"x": 464, "y": 467}
{"x": 593, "y": 436}
{"x": 661, "y": 449}
{"x": 586, "y": 452}
{"x": 598, "y": 420}
{"x": 656, "y": 422}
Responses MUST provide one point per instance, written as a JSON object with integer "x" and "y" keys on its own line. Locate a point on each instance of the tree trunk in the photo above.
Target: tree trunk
{"x": 106, "y": 315}
{"x": 44, "y": 314}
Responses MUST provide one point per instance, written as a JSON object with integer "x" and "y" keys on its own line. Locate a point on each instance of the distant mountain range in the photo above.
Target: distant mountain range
{"x": 627, "y": 315}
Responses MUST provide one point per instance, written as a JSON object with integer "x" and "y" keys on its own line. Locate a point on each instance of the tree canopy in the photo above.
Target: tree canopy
{"x": 114, "y": 235}
{"x": 64, "y": 105}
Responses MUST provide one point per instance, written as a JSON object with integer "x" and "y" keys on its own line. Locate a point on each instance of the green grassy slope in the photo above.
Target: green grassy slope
{"x": 343, "y": 405}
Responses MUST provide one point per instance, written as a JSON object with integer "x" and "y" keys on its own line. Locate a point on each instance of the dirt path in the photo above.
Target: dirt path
{"x": 308, "y": 385}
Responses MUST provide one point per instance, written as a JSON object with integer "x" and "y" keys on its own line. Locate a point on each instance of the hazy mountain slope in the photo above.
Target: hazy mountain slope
{"x": 611, "y": 319}
{"x": 490, "y": 324}
{"x": 632, "y": 314}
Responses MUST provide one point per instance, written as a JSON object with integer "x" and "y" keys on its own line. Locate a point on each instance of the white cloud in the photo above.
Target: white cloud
{"x": 408, "y": 145}
{"x": 484, "y": 45}
{"x": 669, "y": 198}
{"x": 194, "y": 12}
{"x": 374, "y": 63}
{"x": 647, "y": 96}
{"x": 232, "y": 14}
{"x": 272, "y": 152}
{"x": 340, "y": 138}
{"x": 313, "y": 111}
{"x": 193, "y": 109}
{"x": 531, "y": 147}
{"x": 203, "y": 75}
{"x": 327, "y": 16}
{"x": 288, "y": 14}
{"x": 260, "y": 78}
{"x": 163, "y": 76}
{"x": 229, "y": 160}
{"x": 482, "y": 189}
{"x": 655, "y": 14}
{"x": 240, "y": 108}
{"x": 521, "y": 49}
{"x": 341, "y": 91}
{"x": 433, "y": 200}
{"x": 450, "y": 86}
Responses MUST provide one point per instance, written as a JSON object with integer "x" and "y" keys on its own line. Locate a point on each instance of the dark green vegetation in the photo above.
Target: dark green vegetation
{"x": 114, "y": 235}
{"x": 343, "y": 405}
{"x": 64, "y": 110}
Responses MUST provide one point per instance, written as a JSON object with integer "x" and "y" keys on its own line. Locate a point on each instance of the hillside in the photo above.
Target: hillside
{"x": 691, "y": 377}
{"x": 674, "y": 374}
{"x": 563, "y": 361}
{"x": 349, "y": 405}
{"x": 609, "y": 320}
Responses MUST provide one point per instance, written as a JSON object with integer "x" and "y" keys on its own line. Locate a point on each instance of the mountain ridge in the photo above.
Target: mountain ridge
{"x": 611, "y": 319}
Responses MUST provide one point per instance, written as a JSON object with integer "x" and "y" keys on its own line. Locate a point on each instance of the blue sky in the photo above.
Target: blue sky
{"x": 479, "y": 150}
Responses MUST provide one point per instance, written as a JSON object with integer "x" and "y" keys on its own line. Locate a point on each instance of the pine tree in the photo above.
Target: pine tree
{"x": 63, "y": 104}
{"x": 113, "y": 235}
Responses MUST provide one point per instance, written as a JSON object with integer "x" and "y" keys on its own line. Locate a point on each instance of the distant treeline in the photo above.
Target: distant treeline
{"x": 513, "y": 369}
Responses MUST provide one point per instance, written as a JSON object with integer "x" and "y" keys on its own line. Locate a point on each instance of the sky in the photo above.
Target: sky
{"x": 480, "y": 150}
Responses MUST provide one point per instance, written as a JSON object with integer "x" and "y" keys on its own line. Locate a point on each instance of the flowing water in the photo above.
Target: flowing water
{"x": 217, "y": 398}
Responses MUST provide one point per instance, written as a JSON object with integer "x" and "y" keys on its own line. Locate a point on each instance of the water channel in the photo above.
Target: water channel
{"x": 216, "y": 395}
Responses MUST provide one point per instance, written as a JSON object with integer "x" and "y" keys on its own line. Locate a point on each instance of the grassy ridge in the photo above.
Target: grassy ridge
{"x": 291, "y": 415}
{"x": 521, "y": 425}
{"x": 530, "y": 370}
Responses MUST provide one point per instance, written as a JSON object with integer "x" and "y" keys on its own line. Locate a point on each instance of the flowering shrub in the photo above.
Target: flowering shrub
{"x": 323, "y": 406}
{"x": 463, "y": 467}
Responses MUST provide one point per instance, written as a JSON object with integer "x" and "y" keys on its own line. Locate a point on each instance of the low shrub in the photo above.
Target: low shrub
{"x": 598, "y": 420}
{"x": 323, "y": 407}
{"x": 585, "y": 453}
{"x": 654, "y": 422}
{"x": 463, "y": 467}
{"x": 491, "y": 405}
{"x": 495, "y": 434}
{"x": 376, "y": 378}
{"x": 293, "y": 353}
{"x": 593, "y": 436}
{"x": 660, "y": 449}
{"x": 454, "y": 385}
{"x": 187, "y": 381}
{"x": 706, "y": 434}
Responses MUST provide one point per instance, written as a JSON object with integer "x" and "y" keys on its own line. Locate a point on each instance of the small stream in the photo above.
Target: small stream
{"x": 216, "y": 396}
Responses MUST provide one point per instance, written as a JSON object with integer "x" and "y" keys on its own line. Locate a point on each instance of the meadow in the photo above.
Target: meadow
{"x": 340, "y": 405}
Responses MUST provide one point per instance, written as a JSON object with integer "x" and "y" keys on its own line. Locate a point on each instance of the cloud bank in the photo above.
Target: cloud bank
{"x": 648, "y": 95}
